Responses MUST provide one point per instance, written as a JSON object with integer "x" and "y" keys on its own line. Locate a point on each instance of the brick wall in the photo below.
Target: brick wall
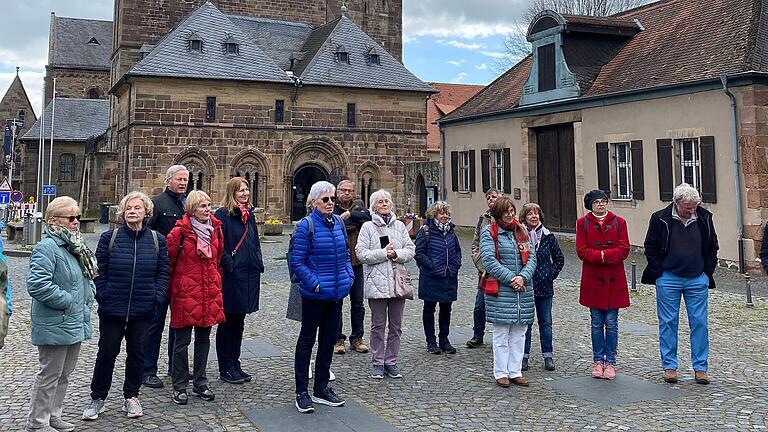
{"x": 75, "y": 83}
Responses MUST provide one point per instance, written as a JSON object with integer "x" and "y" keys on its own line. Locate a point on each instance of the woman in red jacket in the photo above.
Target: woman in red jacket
{"x": 195, "y": 246}
{"x": 602, "y": 244}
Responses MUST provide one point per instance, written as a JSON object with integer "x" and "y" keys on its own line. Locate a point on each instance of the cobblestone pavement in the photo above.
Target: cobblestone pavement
{"x": 445, "y": 393}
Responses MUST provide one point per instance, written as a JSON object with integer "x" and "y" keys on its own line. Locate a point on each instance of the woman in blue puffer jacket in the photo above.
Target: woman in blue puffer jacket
{"x": 319, "y": 257}
{"x": 132, "y": 282}
{"x": 508, "y": 257}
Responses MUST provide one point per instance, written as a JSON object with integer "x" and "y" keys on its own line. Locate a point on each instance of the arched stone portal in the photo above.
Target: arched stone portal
{"x": 303, "y": 179}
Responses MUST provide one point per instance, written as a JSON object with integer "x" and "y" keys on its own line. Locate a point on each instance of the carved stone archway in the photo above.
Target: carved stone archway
{"x": 369, "y": 180}
{"x": 201, "y": 168}
{"x": 252, "y": 165}
{"x": 322, "y": 152}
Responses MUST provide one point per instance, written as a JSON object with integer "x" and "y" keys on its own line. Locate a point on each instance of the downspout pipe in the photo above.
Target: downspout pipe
{"x": 443, "y": 191}
{"x": 736, "y": 172}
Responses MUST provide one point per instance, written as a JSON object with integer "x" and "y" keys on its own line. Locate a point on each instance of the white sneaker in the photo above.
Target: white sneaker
{"x": 95, "y": 408}
{"x": 132, "y": 408}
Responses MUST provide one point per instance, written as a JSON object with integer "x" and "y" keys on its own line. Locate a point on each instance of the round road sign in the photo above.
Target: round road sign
{"x": 17, "y": 196}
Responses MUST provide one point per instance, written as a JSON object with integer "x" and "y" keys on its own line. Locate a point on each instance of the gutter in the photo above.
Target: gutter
{"x": 736, "y": 172}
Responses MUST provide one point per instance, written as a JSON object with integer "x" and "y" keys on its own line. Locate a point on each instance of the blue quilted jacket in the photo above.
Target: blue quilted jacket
{"x": 510, "y": 307}
{"x": 133, "y": 278}
{"x": 323, "y": 266}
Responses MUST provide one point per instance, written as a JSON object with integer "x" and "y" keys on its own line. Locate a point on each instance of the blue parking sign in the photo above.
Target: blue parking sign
{"x": 49, "y": 190}
{"x": 5, "y": 197}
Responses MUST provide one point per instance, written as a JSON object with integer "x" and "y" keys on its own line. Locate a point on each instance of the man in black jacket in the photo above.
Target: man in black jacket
{"x": 354, "y": 214}
{"x": 681, "y": 248}
{"x": 168, "y": 208}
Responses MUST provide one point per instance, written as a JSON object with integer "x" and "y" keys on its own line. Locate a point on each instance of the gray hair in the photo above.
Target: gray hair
{"x": 173, "y": 170}
{"x": 148, "y": 206}
{"x": 60, "y": 204}
{"x": 686, "y": 193}
{"x": 320, "y": 188}
{"x": 344, "y": 182}
{"x": 381, "y": 193}
{"x": 492, "y": 191}
{"x": 437, "y": 208}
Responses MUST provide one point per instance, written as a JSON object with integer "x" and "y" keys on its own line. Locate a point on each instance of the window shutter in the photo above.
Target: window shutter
{"x": 507, "y": 171}
{"x": 664, "y": 155}
{"x": 638, "y": 180}
{"x": 472, "y": 171}
{"x": 454, "y": 171}
{"x": 485, "y": 168}
{"x": 708, "y": 182}
{"x": 603, "y": 168}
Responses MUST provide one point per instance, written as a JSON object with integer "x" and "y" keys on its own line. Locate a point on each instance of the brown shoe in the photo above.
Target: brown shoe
{"x": 339, "y": 347}
{"x": 701, "y": 377}
{"x": 503, "y": 382}
{"x": 358, "y": 345}
{"x": 520, "y": 381}
{"x": 670, "y": 376}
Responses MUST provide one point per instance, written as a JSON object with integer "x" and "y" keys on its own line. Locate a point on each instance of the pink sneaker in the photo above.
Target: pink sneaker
{"x": 609, "y": 372}
{"x": 597, "y": 370}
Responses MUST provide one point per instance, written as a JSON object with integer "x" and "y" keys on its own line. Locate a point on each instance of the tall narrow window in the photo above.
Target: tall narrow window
{"x": 210, "y": 108}
{"x": 351, "y": 115}
{"x": 497, "y": 169}
{"x": 67, "y": 167}
{"x": 464, "y": 171}
{"x": 279, "y": 111}
{"x": 690, "y": 162}
{"x": 546, "y": 59}
{"x": 623, "y": 171}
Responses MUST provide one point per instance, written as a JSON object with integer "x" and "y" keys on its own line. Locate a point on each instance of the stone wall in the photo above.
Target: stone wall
{"x": 75, "y": 83}
{"x": 68, "y": 187}
{"x": 14, "y": 101}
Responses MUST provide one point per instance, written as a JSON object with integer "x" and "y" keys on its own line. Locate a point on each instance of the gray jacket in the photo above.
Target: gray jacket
{"x": 379, "y": 275}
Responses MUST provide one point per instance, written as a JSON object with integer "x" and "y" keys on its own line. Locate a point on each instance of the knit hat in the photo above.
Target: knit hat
{"x": 593, "y": 195}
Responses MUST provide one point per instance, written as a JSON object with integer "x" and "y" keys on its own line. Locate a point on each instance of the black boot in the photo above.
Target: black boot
{"x": 524, "y": 366}
{"x": 549, "y": 364}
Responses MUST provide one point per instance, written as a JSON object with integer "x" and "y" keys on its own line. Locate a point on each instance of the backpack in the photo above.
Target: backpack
{"x": 114, "y": 236}
{"x": 310, "y": 235}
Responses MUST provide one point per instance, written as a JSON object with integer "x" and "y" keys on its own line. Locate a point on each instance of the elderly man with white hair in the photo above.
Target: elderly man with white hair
{"x": 168, "y": 208}
{"x": 681, "y": 248}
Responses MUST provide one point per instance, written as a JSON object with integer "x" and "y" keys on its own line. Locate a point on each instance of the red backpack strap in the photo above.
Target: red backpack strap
{"x": 494, "y": 230}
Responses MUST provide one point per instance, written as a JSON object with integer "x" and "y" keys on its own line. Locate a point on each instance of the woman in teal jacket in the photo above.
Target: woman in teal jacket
{"x": 507, "y": 257}
{"x": 60, "y": 282}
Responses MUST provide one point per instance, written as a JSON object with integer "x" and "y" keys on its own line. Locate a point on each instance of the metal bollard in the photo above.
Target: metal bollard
{"x": 634, "y": 275}
{"x": 748, "y": 282}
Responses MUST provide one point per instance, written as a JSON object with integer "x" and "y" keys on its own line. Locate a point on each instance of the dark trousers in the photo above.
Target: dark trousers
{"x": 154, "y": 339}
{"x": 316, "y": 315}
{"x": 356, "y": 308}
{"x": 479, "y": 315}
{"x": 111, "y": 334}
{"x": 544, "y": 318}
{"x": 180, "y": 371}
{"x": 444, "y": 320}
{"x": 229, "y": 340}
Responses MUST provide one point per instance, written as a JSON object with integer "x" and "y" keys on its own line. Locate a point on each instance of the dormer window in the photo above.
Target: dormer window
{"x": 373, "y": 58}
{"x": 195, "y": 43}
{"x": 341, "y": 54}
{"x": 231, "y": 46}
{"x": 93, "y": 41}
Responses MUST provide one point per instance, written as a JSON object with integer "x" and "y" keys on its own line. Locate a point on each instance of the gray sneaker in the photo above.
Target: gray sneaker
{"x": 95, "y": 408}
{"x": 392, "y": 371}
{"x": 61, "y": 425}
{"x": 377, "y": 372}
{"x": 132, "y": 408}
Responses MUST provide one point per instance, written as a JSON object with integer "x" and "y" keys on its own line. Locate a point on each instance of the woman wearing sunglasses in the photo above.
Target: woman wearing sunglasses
{"x": 60, "y": 282}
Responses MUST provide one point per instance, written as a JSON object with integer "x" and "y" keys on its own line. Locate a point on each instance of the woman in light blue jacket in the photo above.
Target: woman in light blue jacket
{"x": 507, "y": 257}
{"x": 60, "y": 282}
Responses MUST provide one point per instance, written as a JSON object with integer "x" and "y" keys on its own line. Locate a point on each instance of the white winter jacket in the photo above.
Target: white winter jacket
{"x": 379, "y": 276}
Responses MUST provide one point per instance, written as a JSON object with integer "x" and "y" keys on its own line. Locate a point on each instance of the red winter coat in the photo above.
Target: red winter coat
{"x": 195, "y": 288}
{"x": 603, "y": 280}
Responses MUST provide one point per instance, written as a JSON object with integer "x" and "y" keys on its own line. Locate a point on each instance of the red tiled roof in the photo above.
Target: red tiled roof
{"x": 440, "y": 104}
{"x": 682, "y": 40}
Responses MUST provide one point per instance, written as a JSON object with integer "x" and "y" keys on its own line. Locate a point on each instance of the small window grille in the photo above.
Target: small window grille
{"x": 210, "y": 108}
{"x": 279, "y": 111}
{"x": 623, "y": 171}
{"x": 351, "y": 115}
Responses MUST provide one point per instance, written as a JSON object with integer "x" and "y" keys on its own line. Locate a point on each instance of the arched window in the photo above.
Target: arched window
{"x": 94, "y": 93}
{"x": 251, "y": 175}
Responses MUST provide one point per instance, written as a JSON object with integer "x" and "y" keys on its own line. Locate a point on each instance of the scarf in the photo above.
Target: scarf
{"x": 535, "y": 235}
{"x": 443, "y": 227}
{"x": 203, "y": 231}
{"x": 245, "y": 211}
{"x": 386, "y": 218}
{"x": 521, "y": 236}
{"x": 77, "y": 247}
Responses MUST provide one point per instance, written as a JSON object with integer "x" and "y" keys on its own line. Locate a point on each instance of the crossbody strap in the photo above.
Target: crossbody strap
{"x": 242, "y": 239}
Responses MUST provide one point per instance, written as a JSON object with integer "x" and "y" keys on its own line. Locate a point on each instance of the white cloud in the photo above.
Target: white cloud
{"x": 457, "y": 18}
{"x": 457, "y": 63}
{"x": 481, "y": 66}
{"x": 493, "y": 54}
{"x": 33, "y": 83}
{"x": 461, "y": 45}
{"x": 459, "y": 78}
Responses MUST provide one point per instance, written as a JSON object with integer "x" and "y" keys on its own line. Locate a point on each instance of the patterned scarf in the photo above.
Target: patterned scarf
{"x": 245, "y": 211}
{"x": 203, "y": 231}
{"x": 443, "y": 227}
{"x": 77, "y": 247}
{"x": 521, "y": 235}
{"x": 535, "y": 235}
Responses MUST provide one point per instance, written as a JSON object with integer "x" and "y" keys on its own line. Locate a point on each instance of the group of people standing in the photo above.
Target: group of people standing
{"x": 172, "y": 252}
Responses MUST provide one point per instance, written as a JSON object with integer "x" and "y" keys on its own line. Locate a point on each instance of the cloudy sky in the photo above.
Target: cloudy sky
{"x": 444, "y": 40}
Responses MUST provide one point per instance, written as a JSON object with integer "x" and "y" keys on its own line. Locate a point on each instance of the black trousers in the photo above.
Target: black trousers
{"x": 229, "y": 340}
{"x": 180, "y": 371}
{"x": 444, "y": 319}
{"x": 317, "y": 317}
{"x": 356, "y": 308}
{"x": 155, "y": 338}
{"x": 111, "y": 334}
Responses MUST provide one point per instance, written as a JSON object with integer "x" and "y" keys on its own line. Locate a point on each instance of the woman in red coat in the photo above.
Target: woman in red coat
{"x": 602, "y": 244}
{"x": 195, "y": 246}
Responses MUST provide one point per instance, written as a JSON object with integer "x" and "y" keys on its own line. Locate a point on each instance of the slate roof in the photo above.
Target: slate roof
{"x": 266, "y": 49}
{"x": 76, "y": 120}
{"x": 682, "y": 41}
{"x": 71, "y": 47}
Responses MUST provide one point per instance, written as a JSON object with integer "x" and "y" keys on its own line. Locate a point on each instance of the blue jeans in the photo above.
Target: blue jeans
{"x": 695, "y": 291}
{"x": 605, "y": 334}
{"x": 479, "y": 315}
{"x": 544, "y": 318}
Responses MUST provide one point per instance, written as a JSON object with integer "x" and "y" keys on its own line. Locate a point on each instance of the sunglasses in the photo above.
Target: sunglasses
{"x": 71, "y": 218}
{"x": 326, "y": 199}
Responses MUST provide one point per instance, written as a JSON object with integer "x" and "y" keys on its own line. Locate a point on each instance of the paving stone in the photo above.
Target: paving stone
{"x": 624, "y": 389}
{"x": 351, "y": 417}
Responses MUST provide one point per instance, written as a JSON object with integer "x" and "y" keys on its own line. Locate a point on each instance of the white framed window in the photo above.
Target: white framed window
{"x": 497, "y": 169}
{"x": 690, "y": 161}
{"x": 464, "y": 171}
{"x": 623, "y": 170}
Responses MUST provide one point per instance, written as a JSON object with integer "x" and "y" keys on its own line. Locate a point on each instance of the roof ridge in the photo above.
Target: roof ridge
{"x": 647, "y": 6}
{"x": 265, "y": 19}
{"x": 334, "y": 24}
{"x": 82, "y": 19}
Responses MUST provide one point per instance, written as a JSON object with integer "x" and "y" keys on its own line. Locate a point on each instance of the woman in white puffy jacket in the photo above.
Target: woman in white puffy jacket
{"x": 382, "y": 244}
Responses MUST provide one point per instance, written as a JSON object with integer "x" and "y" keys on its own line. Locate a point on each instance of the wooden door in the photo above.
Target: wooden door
{"x": 556, "y": 168}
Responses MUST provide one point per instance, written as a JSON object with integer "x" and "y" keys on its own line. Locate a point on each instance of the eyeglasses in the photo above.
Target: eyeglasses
{"x": 600, "y": 202}
{"x": 345, "y": 190}
{"x": 328, "y": 198}
{"x": 71, "y": 218}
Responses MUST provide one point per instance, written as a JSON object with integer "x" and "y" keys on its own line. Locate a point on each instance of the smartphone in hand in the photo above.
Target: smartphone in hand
{"x": 384, "y": 240}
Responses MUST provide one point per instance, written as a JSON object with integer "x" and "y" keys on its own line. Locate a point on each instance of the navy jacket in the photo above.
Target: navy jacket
{"x": 133, "y": 278}
{"x": 168, "y": 209}
{"x": 549, "y": 263}
{"x": 439, "y": 260}
{"x": 241, "y": 273}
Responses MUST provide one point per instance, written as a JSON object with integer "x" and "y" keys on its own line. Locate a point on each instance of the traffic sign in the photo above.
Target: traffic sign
{"x": 49, "y": 190}
{"x": 5, "y": 197}
{"x": 5, "y": 185}
{"x": 17, "y": 196}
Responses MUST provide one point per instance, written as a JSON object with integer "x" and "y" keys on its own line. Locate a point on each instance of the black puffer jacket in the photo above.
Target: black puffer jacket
{"x": 133, "y": 277}
{"x": 168, "y": 209}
